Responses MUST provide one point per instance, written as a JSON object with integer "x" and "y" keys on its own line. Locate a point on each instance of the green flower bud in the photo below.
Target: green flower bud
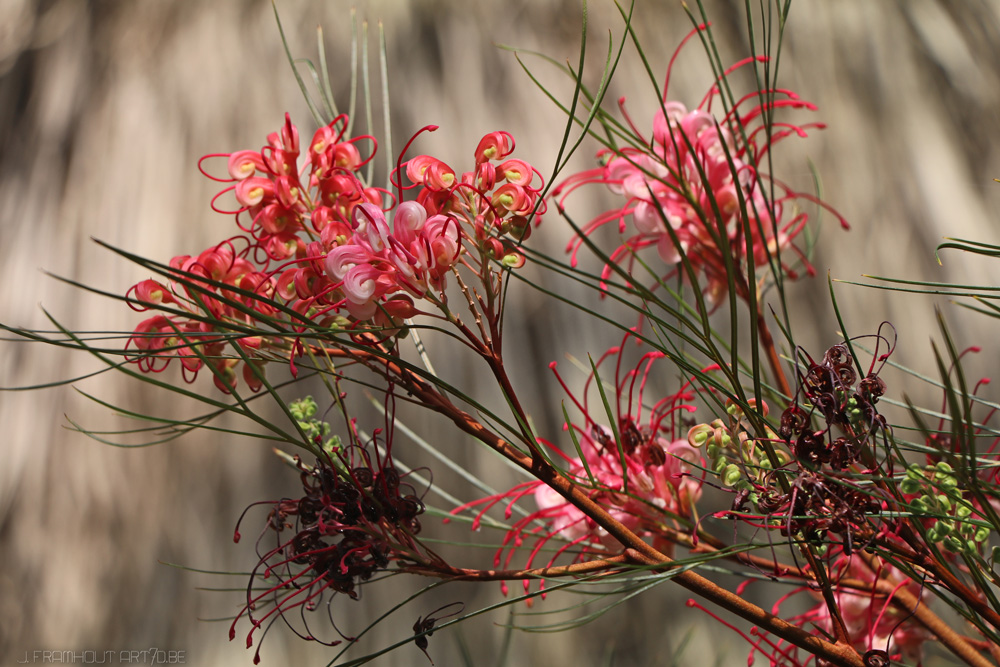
{"x": 731, "y": 475}
{"x": 513, "y": 260}
{"x": 914, "y": 472}
{"x": 910, "y": 485}
{"x": 982, "y": 534}
{"x": 698, "y": 435}
{"x": 954, "y": 544}
{"x": 943, "y": 467}
{"x": 332, "y": 446}
{"x": 944, "y": 502}
{"x": 303, "y": 409}
{"x": 946, "y": 482}
{"x": 963, "y": 510}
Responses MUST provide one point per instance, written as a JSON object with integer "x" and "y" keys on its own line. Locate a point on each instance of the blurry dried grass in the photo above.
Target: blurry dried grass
{"x": 104, "y": 109}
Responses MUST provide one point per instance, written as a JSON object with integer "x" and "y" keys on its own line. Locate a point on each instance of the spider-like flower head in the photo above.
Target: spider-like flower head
{"x": 356, "y": 515}
{"x": 696, "y": 189}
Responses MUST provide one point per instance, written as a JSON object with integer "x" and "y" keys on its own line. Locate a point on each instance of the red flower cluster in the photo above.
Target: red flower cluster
{"x": 382, "y": 269}
{"x": 316, "y": 250}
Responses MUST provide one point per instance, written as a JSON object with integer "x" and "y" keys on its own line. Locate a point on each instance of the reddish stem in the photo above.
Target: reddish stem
{"x": 767, "y": 342}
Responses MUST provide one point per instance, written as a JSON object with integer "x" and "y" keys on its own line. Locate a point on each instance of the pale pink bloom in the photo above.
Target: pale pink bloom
{"x": 343, "y": 258}
{"x": 360, "y": 283}
{"x": 647, "y": 478}
{"x": 243, "y": 164}
{"x": 682, "y": 191}
{"x": 408, "y": 220}
{"x": 873, "y": 622}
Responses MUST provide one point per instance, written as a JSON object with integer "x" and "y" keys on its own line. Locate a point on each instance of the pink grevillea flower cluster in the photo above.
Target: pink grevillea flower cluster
{"x": 873, "y": 622}
{"x": 315, "y": 249}
{"x": 382, "y": 269}
{"x": 882, "y": 631}
{"x": 639, "y": 469}
{"x": 696, "y": 188}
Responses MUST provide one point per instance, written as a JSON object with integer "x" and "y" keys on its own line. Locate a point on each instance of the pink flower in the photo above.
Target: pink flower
{"x": 871, "y": 619}
{"x": 243, "y": 164}
{"x": 873, "y": 622}
{"x": 494, "y": 146}
{"x": 641, "y": 470}
{"x": 698, "y": 189}
{"x": 360, "y": 284}
{"x": 343, "y": 258}
{"x": 408, "y": 220}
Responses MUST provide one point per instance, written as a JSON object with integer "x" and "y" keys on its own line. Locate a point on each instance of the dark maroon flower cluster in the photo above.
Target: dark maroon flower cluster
{"x": 817, "y": 506}
{"x": 829, "y": 391}
{"x": 349, "y": 524}
{"x": 818, "y": 499}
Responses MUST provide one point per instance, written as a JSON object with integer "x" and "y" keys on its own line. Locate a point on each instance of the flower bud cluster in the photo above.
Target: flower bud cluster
{"x": 217, "y": 286}
{"x": 829, "y": 390}
{"x": 740, "y": 460}
{"x": 382, "y": 269}
{"x": 284, "y": 200}
{"x": 804, "y": 495}
{"x": 934, "y": 491}
{"x": 316, "y": 431}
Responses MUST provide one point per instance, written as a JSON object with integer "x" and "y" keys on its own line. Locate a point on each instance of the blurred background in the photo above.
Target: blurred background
{"x": 105, "y": 108}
